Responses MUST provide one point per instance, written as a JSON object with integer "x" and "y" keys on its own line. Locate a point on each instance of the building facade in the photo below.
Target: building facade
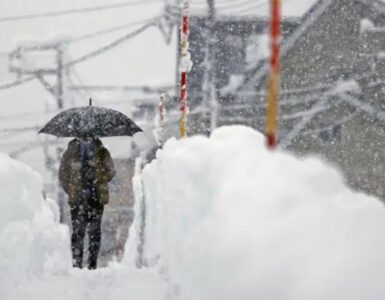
{"x": 332, "y": 93}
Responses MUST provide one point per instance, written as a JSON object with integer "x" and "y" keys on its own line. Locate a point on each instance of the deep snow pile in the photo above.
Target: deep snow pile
{"x": 32, "y": 243}
{"x": 227, "y": 219}
{"x": 35, "y": 259}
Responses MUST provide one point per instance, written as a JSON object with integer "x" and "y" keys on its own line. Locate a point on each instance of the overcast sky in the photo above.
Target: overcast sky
{"x": 145, "y": 59}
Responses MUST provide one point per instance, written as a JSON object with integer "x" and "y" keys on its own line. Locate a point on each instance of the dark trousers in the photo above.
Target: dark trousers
{"x": 86, "y": 217}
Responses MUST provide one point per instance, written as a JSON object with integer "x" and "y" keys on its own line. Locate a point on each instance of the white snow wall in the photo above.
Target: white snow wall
{"x": 32, "y": 243}
{"x": 227, "y": 219}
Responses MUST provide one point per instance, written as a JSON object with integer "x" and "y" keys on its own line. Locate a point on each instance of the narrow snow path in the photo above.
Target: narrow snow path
{"x": 116, "y": 282}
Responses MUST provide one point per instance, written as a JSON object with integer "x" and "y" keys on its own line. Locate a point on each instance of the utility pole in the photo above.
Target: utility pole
{"x": 20, "y": 64}
{"x": 210, "y": 90}
{"x": 60, "y": 90}
{"x": 59, "y": 76}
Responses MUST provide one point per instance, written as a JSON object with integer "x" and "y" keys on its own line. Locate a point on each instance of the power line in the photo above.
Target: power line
{"x": 203, "y": 4}
{"x": 108, "y": 30}
{"x": 229, "y": 5}
{"x": 325, "y": 128}
{"x": 80, "y": 95}
{"x": 16, "y": 83}
{"x": 76, "y": 11}
{"x": 250, "y": 7}
{"x": 238, "y": 3}
{"x": 109, "y": 46}
{"x": 145, "y": 89}
{"x": 20, "y": 129}
{"x": 28, "y": 114}
{"x": 85, "y": 57}
{"x": 75, "y": 96}
{"x": 30, "y": 147}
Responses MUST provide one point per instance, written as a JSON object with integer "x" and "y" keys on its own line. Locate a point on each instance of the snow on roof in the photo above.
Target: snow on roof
{"x": 256, "y": 8}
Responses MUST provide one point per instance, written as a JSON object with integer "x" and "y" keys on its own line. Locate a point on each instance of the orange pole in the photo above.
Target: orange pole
{"x": 273, "y": 80}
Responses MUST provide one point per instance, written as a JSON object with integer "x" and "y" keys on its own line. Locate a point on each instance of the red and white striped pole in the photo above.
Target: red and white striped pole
{"x": 273, "y": 81}
{"x": 185, "y": 66}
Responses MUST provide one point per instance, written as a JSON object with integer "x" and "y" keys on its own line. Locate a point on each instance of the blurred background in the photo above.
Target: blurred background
{"x": 124, "y": 55}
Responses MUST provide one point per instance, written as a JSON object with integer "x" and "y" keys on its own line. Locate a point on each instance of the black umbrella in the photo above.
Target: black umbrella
{"x": 90, "y": 120}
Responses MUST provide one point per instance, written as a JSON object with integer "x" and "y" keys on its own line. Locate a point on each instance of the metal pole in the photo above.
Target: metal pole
{"x": 59, "y": 74}
{"x": 162, "y": 112}
{"x": 273, "y": 81}
{"x": 60, "y": 103}
{"x": 211, "y": 91}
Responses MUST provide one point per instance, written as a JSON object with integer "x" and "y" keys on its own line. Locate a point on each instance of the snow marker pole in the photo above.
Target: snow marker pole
{"x": 162, "y": 109}
{"x": 162, "y": 113}
{"x": 273, "y": 80}
{"x": 184, "y": 66}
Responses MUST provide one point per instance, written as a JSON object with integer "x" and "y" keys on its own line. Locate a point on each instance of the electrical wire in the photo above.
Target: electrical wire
{"x": 202, "y": 4}
{"x": 83, "y": 95}
{"x": 110, "y": 46}
{"x": 73, "y": 78}
{"x": 28, "y": 114}
{"x": 245, "y": 7}
{"x": 85, "y": 57}
{"x": 30, "y": 147}
{"x": 238, "y": 4}
{"x": 73, "y": 95}
{"x": 108, "y": 30}
{"x": 16, "y": 83}
{"x": 90, "y": 55}
{"x": 19, "y": 129}
{"x": 76, "y": 11}
{"x": 229, "y": 5}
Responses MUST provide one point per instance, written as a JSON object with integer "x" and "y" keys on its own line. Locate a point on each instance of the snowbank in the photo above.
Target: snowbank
{"x": 226, "y": 219}
{"x": 32, "y": 243}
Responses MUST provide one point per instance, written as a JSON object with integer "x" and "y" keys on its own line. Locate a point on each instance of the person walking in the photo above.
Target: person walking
{"x": 85, "y": 169}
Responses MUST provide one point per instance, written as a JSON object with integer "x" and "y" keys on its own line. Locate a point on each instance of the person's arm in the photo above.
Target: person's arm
{"x": 64, "y": 171}
{"x": 109, "y": 168}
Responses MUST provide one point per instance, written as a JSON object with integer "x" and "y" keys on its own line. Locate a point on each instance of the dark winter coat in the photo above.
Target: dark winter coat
{"x": 70, "y": 172}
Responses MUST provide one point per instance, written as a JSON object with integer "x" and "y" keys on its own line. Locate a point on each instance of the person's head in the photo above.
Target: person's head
{"x": 86, "y": 138}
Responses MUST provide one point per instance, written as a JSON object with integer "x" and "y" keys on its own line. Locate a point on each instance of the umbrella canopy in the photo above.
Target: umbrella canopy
{"x": 90, "y": 120}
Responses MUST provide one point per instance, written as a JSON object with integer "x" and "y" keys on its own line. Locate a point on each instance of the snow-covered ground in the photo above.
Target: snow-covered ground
{"x": 114, "y": 283}
{"x": 227, "y": 219}
{"x": 35, "y": 258}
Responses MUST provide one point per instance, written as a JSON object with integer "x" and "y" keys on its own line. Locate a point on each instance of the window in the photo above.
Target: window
{"x": 332, "y": 134}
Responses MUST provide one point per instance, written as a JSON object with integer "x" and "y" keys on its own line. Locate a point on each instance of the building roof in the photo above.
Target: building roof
{"x": 308, "y": 19}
